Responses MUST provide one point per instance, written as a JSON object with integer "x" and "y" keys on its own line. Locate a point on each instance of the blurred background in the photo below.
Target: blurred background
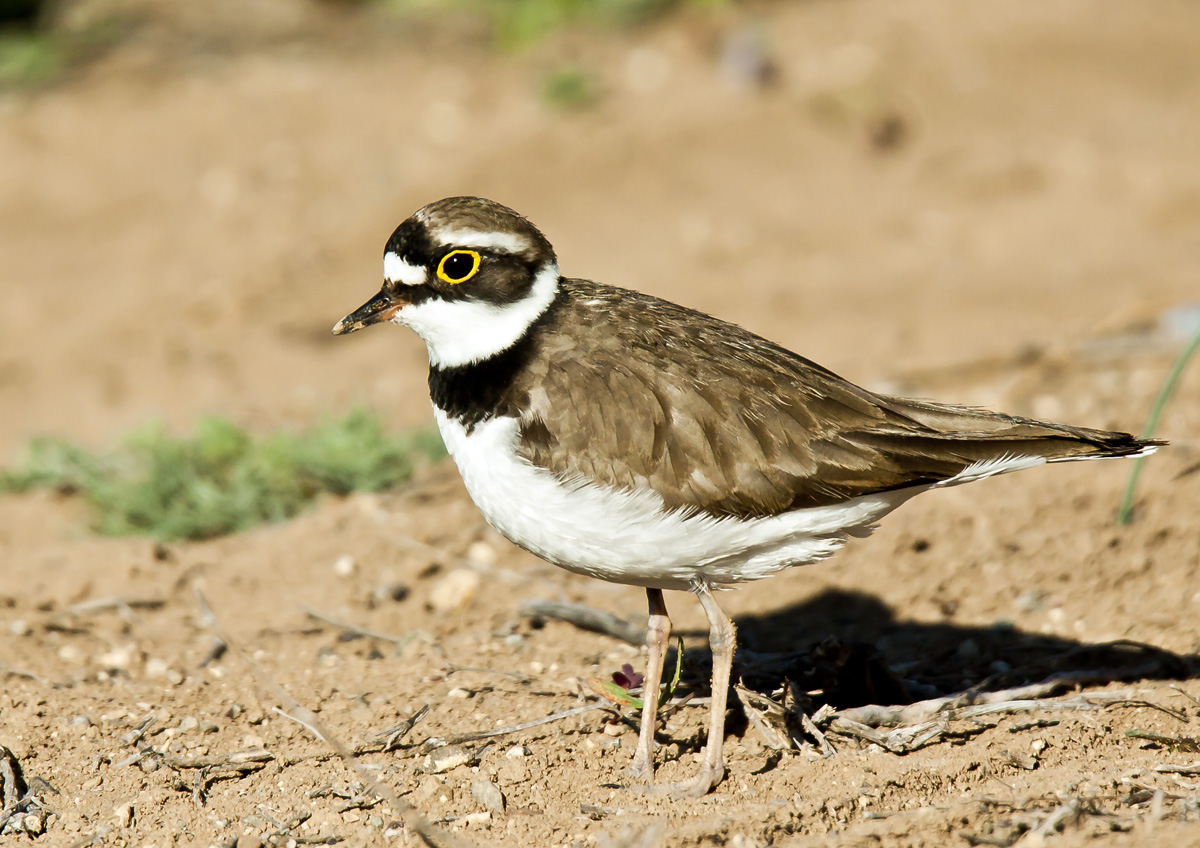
{"x": 984, "y": 202}
{"x": 191, "y": 194}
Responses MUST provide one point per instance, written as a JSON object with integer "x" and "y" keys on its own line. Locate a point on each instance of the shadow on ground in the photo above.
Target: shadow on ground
{"x": 848, "y": 649}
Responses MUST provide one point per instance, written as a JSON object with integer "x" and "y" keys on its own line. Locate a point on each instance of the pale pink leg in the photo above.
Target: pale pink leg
{"x": 658, "y": 633}
{"x": 722, "y": 637}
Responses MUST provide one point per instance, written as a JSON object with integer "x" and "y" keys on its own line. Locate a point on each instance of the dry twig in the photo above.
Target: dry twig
{"x": 346, "y": 627}
{"x": 587, "y": 618}
{"x": 474, "y": 736}
{"x": 117, "y": 602}
{"x": 1194, "y": 768}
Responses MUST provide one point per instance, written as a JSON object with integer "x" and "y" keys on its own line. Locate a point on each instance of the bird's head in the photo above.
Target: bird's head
{"x": 468, "y": 275}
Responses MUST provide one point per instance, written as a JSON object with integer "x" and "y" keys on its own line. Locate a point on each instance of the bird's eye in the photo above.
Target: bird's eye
{"x": 458, "y": 266}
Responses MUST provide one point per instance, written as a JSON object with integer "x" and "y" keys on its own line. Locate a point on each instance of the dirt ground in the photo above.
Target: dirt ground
{"x": 986, "y": 203}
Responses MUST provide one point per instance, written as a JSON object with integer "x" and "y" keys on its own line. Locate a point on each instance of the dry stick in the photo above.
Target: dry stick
{"x": 909, "y": 737}
{"x": 1187, "y": 695}
{"x": 474, "y": 736}
{"x": 115, "y": 602}
{"x": 346, "y": 626}
{"x": 875, "y": 715}
{"x": 413, "y": 818}
{"x": 388, "y": 740}
{"x": 810, "y": 727}
{"x": 1178, "y": 715}
{"x": 255, "y": 755}
{"x": 8, "y": 812}
{"x": 8, "y": 777}
{"x": 1194, "y": 768}
{"x": 587, "y": 618}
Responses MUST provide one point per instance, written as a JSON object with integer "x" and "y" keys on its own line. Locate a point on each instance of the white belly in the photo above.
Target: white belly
{"x": 629, "y": 537}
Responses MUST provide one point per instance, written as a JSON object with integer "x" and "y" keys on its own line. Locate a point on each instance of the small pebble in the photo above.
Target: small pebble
{"x": 207, "y": 726}
{"x": 188, "y": 724}
{"x": 454, "y": 591}
{"x": 516, "y": 752}
{"x": 481, "y": 554}
{"x": 156, "y": 667}
{"x": 489, "y": 795}
{"x": 174, "y": 676}
{"x": 345, "y": 566}
{"x": 20, "y": 627}
{"x": 33, "y": 824}
{"x": 123, "y": 814}
{"x": 248, "y": 840}
{"x": 118, "y": 658}
{"x": 458, "y": 692}
{"x": 71, "y": 654}
{"x": 92, "y": 783}
{"x": 477, "y": 818}
{"x": 444, "y": 759}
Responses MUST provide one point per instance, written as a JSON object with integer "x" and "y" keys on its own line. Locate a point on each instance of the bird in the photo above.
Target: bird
{"x": 634, "y": 440}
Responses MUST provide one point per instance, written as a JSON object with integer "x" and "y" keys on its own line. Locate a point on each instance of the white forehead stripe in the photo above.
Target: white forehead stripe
{"x": 500, "y": 242}
{"x": 397, "y": 270}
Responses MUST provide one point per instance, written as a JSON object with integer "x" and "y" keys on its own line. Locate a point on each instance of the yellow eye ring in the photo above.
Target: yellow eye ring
{"x": 458, "y": 272}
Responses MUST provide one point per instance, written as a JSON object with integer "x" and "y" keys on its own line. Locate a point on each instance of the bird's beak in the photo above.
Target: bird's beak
{"x": 379, "y": 308}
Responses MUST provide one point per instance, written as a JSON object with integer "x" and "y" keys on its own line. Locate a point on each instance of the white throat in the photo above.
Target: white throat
{"x": 465, "y": 331}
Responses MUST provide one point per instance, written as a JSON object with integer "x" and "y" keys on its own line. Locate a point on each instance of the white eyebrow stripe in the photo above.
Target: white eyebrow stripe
{"x": 500, "y": 242}
{"x": 397, "y": 270}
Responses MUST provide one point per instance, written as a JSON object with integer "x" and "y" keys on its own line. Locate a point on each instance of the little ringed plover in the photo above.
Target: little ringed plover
{"x": 627, "y": 438}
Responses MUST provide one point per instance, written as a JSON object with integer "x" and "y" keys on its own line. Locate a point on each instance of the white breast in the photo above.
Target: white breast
{"x": 629, "y": 537}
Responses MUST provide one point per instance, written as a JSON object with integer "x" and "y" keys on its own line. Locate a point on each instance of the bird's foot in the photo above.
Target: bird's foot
{"x": 641, "y": 769}
{"x": 696, "y": 786}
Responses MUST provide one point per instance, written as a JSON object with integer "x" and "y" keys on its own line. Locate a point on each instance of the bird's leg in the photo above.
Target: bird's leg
{"x": 722, "y": 636}
{"x": 658, "y": 633}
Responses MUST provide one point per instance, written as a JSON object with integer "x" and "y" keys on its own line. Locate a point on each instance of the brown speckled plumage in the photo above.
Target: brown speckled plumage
{"x": 626, "y": 390}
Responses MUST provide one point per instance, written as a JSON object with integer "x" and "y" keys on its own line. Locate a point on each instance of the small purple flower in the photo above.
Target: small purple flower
{"x": 627, "y": 678}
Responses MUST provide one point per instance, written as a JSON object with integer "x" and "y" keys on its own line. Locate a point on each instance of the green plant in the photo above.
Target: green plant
{"x": 617, "y": 689}
{"x": 29, "y": 58}
{"x": 569, "y": 88}
{"x": 518, "y": 23}
{"x": 221, "y": 479}
{"x": 1125, "y": 511}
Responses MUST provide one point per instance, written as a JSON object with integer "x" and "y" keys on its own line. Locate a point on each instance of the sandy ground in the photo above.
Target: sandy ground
{"x": 993, "y": 204}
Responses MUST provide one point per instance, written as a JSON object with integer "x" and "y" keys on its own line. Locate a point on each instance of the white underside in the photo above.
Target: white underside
{"x": 629, "y": 537}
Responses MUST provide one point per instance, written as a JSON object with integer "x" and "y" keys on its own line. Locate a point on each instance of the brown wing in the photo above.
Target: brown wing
{"x": 719, "y": 420}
